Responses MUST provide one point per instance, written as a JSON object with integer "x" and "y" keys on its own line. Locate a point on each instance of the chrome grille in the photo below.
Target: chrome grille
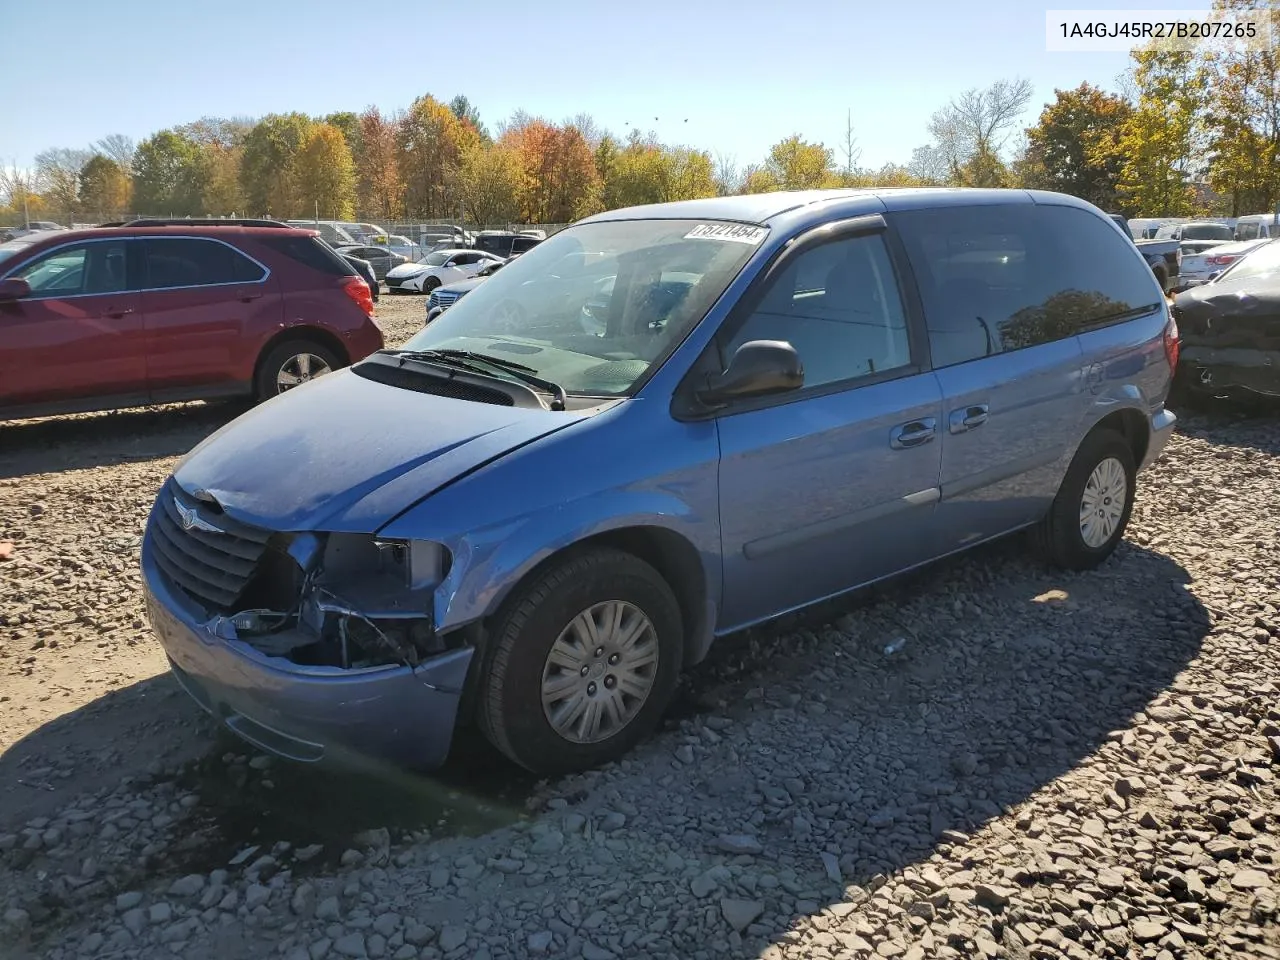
{"x": 210, "y": 567}
{"x": 440, "y": 298}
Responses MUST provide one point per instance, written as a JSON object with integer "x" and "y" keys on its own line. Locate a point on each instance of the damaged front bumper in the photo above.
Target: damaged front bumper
{"x": 396, "y": 712}
{"x": 1227, "y": 370}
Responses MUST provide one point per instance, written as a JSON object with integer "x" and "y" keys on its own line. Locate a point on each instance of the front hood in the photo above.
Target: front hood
{"x": 406, "y": 270}
{"x": 462, "y": 286}
{"x": 346, "y": 454}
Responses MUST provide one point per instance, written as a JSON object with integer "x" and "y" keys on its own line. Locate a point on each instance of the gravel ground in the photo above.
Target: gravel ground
{"x": 1050, "y": 766}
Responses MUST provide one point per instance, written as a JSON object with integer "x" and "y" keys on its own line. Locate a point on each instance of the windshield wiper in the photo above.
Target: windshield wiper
{"x": 476, "y": 362}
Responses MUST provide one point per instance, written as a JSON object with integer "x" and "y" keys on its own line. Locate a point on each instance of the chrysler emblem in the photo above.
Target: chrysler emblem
{"x": 191, "y": 520}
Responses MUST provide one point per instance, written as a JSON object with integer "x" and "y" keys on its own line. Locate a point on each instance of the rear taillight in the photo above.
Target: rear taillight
{"x": 358, "y": 290}
{"x": 1171, "y": 342}
{"x": 1222, "y": 260}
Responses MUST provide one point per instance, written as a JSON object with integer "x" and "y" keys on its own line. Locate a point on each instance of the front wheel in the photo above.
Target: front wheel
{"x": 584, "y": 661}
{"x": 1092, "y": 508}
{"x": 430, "y": 284}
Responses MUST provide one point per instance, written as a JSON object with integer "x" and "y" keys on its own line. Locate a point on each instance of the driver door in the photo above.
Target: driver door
{"x": 79, "y": 334}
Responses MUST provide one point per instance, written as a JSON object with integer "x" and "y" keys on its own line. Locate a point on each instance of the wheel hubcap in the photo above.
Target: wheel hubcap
{"x": 300, "y": 369}
{"x": 1103, "y": 502}
{"x": 599, "y": 672}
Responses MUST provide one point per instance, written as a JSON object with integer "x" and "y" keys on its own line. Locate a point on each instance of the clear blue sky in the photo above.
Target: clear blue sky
{"x": 743, "y": 73}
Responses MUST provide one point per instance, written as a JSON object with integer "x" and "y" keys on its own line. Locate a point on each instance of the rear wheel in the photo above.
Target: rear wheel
{"x": 1092, "y": 508}
{"x": 584, "y": 661}
{"x": 291, "y": 363}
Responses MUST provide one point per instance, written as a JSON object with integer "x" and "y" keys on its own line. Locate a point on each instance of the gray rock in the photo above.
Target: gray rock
{"x": 160, "y": 913}
{"x": 550, "y": 842}
{"x": 256, "y": 895}
{"x": 187, "y": 886}
{"x": 418, "y": 934}
{"x": 451, "y": 938}
{"x": 738, "y": 844}
{"x": 351, "y": 945}
{"x": 832, "y": 867}
{"x": 540, "y": 942}
{"x": 613, "y": 822}
{"x": 387, "y": 924}
{"x": 1249, "y": 880}
{"x": 684, "y": 754}
{"x": 592, "y": 952}
{"x": 319, "y": 949}
{"x": 703, "y": 884}
{"x": 1145, "y": 931}
{"x": 303, "y": 901}
{"x": 129, "y": 900}
{"x": 134, "y": 920}
{"x": 328, "y": 909}
{"x": 91, "y": 944}
{"x": 376, "y": 944}
{"x": 740, "y": 914}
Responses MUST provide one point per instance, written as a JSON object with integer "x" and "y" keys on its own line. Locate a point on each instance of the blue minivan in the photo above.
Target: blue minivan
{"x": 661, "y": 425}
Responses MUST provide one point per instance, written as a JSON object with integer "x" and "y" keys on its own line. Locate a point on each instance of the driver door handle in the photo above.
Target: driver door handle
{"x": 967, "y": 418}
{"x": 914, "y": 433}
{"x": 113, "y": 314}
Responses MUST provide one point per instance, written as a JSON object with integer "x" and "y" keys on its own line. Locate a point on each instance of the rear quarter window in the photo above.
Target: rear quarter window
{"x": 310, "y": 251}
{"x": 1000, "y": 278}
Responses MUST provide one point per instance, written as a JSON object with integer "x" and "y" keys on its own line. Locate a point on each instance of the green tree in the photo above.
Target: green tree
{"x": 104, "y": 188}
{"x": 1162, "y": 141}
{"x": 1075, "y": 146}
{"x": 466, "y": 111}
{"x": 1244, "y": 118}
{"x": 326, "y": 173}
{"x": 268, "y": 170}
{"x": 168, "y": 176}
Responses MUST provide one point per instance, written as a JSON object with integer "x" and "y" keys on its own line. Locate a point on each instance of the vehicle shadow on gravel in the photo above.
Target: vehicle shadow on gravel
{"x": 836, "y": 747}
{"x": 30, "y": 447}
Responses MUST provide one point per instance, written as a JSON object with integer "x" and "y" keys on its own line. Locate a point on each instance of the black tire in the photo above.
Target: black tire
{"x": 510, "y": 706}
{"x": 1162, "y": 277}
{"x": 430, "y": 284}
{"x": 265, "y": 385}
{"x": 1058, "y": 536}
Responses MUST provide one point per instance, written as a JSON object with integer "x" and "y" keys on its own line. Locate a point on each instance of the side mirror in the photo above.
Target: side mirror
{"x": 15, "y": 288}
{"x": 758, "y": 368}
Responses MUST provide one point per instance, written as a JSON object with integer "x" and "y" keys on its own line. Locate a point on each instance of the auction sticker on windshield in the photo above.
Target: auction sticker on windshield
{"x": 735, "y": 232}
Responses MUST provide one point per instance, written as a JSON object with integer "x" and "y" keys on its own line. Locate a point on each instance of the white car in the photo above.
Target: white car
{"x": 1198, "y": 268}
{"x": 437, "y": 267}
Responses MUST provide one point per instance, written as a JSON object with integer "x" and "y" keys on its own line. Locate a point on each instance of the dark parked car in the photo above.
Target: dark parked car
{"x": 160, "y": 311}
{"x": 365, "y": 269}
{"x": 1231, "y": 329}
{"x": 1163, "y": 256}
{"x": 380, "y": 258}
{"x": 780, "y": 398}
{"x": 505, "y": 243}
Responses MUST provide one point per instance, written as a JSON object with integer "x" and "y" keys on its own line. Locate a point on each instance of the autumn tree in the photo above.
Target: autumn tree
{"x": 379, "y": 190}
{"x": 104, "y": 188}
{"x": 59, "y": 172}
{"x": 220, "y": 188}
{"x": 117, "y": 147}
{"x": 429, "y": 147}
{"x": 1243, "y": 115}
{"x": 794, "y": 164}
{"x": 1075, "y": 146}
{"x": 466, "y": 111}
{"x": 970, "y": 132}
{"x": 490, "y": 181}
{"x": 326, "y": 173}
{"x": 559, "y": 181}
{"x": 268, "y": 170}
{"x": 168, "y": 176}
{"x": 1162, "y": 140}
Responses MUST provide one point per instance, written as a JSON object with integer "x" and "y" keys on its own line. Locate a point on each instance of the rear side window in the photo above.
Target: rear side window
{"x": 311, "y": 251}
{"x": 1001, "y": 278}
{"x": 190, "y": 262}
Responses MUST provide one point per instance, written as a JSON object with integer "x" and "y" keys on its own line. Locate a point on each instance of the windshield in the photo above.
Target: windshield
{"x": 1261, "y": 260}
{"x": 434, "y": 259}
{"x": 1207, "y": 231}
{"x": 7, "y": 250}
{"x": 597, "y": 305}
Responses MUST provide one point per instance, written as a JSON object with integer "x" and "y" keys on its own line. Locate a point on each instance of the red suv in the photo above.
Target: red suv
{"x": 160, "y": 311}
